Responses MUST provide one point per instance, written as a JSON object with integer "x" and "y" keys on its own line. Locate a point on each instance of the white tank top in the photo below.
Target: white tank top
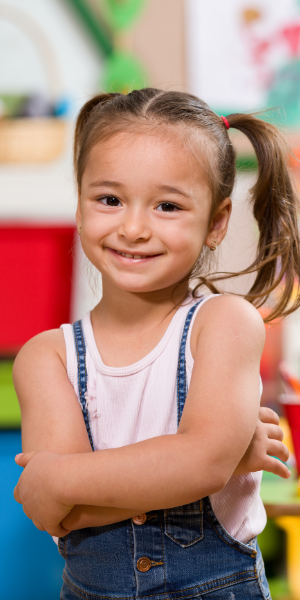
{"x": 138, "y": 402}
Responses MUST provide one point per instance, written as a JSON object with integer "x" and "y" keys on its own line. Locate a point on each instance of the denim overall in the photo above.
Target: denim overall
{"x": 180, "y": 553}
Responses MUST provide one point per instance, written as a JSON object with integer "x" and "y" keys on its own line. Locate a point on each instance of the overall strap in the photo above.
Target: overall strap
{"x": 82, "y": 374}
{"x": 181, "y": 369}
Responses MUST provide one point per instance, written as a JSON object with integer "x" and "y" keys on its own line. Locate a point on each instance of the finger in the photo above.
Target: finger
{"x": 23, "y": 459}
{"x": 278, "y": 449}
{"x": 267, "y": 415}
{"x": 274, "y": 432}
{"x": 273, "y": 465}
{"x": 16, "y": 495}
{"x": 57, "y": 531}
{"x": 27, "y": 513}
{"x": 38, "y": 525}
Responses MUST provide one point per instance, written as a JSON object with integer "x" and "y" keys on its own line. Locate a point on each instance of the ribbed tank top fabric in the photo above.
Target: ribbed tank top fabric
{"x": 137, "y": 402}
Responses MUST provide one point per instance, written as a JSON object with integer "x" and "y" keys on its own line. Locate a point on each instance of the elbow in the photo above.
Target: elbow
{"x": 218, "y": 482}
{"x": 216, "y": 479}
{"x": 221, "y": 479}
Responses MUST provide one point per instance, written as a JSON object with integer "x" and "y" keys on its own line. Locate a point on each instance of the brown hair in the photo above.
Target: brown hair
{"x": 273, "y": 198}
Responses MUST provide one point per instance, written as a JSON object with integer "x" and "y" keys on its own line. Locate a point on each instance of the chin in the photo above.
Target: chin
{"x": 136, "y": 285}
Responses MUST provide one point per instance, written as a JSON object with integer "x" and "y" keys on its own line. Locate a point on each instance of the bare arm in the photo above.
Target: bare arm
{"x": 51, "y": 415}
{"x": 216, "y": 428}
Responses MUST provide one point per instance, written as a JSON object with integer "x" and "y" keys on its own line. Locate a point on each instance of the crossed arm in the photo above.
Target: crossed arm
{"x": 65, "y": 486}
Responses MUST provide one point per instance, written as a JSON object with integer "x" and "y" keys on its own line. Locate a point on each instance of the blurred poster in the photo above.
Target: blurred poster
{"x": 245, "y": 55}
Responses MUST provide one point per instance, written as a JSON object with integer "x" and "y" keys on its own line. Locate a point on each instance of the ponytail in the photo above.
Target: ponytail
{"x": 274, "y": 202}
{"x": 275, "y": 210}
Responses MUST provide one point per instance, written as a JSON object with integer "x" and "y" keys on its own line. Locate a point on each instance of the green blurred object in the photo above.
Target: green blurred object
{"x": 98, "y": 31}
{"x": 10, "y": 417}
{"x": 279, "y": 588}
{"x": 12, "y": 103}
{"x": 270, "y": 540}
{"x": 246, "y": 163}
{"x": 120, "y": 14}
{"x": 285, "y": 92}
{"x": 122, "y": 73}
{"x": 275, "y": 490}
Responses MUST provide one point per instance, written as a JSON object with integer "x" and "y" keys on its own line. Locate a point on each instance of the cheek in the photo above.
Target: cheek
{"x": 187, "y": 241}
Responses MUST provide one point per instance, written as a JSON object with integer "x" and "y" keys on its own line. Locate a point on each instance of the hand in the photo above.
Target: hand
{"x": 84, "y": 516}
{"x": 36, "y": 491}
{"x": 264, "y": 446}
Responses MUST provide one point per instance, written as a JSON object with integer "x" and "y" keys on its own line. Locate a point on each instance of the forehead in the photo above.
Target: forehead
{"x": 155, "y": 157}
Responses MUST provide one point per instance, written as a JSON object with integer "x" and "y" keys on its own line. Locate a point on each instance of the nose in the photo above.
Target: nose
{"x": 135, "y": 226}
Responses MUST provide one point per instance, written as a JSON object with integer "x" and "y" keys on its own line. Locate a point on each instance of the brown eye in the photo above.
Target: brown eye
{"x": 110, "y": 201}
{"x": 167, "y": 207}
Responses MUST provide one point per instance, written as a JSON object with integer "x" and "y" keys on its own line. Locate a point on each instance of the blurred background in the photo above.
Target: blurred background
{"x": 238, "y": 55}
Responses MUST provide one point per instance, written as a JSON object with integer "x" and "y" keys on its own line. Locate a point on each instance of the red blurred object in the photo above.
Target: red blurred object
{"x": 36, "y": 278}
{"x": 289, "y": 379}
{"x": 292, "y": 412}
{"x": 292, "y": 36}
{"x": 270, "y": 360}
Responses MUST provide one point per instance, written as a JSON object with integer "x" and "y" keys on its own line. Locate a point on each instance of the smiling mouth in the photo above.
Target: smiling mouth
{"x": 134, "y": 256}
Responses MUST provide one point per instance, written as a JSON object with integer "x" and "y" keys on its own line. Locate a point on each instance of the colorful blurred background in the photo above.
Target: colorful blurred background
{"x": 237, "y": 55}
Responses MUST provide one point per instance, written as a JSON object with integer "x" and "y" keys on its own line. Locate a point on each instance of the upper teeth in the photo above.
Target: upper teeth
{"x": 131, "y": 255}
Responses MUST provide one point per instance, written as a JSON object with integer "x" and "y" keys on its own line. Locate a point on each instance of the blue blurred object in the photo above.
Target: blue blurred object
{"x": 31, "y": 567}
{"x": 62, "y": 107}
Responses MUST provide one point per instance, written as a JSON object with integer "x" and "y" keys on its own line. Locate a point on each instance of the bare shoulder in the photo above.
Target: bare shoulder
{"x": 229, "y": 315}
{"x": 48, "y": 345}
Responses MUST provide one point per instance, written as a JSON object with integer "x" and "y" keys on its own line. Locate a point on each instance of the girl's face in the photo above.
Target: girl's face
{"x": 144, "y": 210}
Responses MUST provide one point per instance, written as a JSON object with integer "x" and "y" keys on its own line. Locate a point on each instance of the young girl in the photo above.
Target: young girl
{"x": 167, "y": 507}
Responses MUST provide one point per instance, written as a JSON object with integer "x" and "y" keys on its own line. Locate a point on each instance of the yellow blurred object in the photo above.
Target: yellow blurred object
{"x": 31, "y": 140}
{"x": 287, "y": 439}
{"x": 251, "y": 14}
{"x": 292, "y": 527}
{"x": 27, "y": 140}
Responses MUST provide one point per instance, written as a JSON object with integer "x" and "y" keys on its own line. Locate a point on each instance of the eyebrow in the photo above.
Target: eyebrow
{"x": 173, "y": 190}
{"x": 106, "y": 184}
{"x": 162, "y": 188}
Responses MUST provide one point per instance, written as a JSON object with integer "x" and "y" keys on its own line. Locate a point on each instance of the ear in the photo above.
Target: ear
{"x": 219, "y": 223}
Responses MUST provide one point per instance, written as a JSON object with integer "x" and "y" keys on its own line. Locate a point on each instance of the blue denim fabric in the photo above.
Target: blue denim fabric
{"x": 191, "y": 554}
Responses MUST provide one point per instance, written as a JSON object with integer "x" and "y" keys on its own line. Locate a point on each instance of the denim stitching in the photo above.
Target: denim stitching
{"x": 163, "y": 549}
{"x": 88, "y": 595}
{"x": 181, "y": 397}
{"x": 231, "y": 545}
{"x": 82, "y": 374}
{"x": 258, "y": 579}
{"x": 226, "y": 585}
{"x": 132, "y": 552}
{"x": 185, "y": 545}
{"x": 268, "y": 597}
{"x": 181, "y": 370}
{"x": 194, "y": 510}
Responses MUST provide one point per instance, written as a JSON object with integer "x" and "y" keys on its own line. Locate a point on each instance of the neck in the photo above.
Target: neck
{"x": 119, "y": 308}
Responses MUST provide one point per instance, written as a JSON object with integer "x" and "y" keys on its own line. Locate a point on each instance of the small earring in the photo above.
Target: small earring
{"x": 213, "y": 245}
{"x": 79, "y": 230}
